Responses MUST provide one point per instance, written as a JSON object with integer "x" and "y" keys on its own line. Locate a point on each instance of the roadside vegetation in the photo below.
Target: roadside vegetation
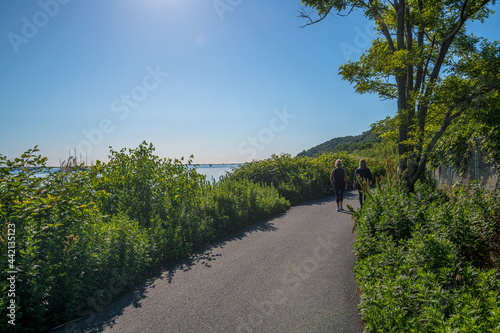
{"x": 429, "y": 261}
{"x": 302, "y": 178}
{"x": 84, "y": 235}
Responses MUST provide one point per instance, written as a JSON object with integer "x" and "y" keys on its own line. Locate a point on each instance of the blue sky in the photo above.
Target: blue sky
{"x": 224, "y": 80}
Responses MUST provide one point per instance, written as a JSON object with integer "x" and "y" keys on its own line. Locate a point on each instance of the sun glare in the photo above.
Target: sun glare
{"x": 163, "y": 3}
{"x": 176, "y": 10}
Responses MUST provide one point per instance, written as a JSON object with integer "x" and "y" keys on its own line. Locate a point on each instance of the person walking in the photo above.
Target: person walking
{"x": 338, "y": 179}
{"x": 362, "y": 174}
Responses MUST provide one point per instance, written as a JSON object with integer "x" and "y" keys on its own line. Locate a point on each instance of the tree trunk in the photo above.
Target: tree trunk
{"x": 402, "y": 84}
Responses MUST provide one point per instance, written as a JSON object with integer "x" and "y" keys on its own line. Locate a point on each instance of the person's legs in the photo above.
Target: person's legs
{"x": 360, "y": 198}
{"x": 337, "y": 196}
{"x": 341, "y": 190}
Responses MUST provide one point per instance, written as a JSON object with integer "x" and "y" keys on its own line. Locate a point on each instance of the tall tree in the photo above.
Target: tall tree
{"x": 424, "y": 58}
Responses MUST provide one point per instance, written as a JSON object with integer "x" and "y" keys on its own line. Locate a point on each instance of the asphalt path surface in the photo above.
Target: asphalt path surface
{"x": 292, "y": 273}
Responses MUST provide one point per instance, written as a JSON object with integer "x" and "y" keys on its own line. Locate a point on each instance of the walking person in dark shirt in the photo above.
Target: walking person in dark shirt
{"x": 362, "y": 174}
{"x": 338, "y": 179}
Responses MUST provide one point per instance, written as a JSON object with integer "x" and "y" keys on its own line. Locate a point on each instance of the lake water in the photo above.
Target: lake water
{"x": 212, "y": 171}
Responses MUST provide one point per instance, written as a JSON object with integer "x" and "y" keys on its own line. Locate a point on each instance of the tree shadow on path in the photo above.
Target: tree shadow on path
{"x": 97, "y": 319}
{"x": 206, "y": 256}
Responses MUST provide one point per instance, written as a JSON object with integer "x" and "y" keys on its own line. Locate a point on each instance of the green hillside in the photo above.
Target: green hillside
{"x": 364, "y": 142}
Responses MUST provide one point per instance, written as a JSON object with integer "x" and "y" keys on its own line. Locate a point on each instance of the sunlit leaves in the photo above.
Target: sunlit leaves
{"x": 424, "y": 58}
{"x": 425, "y": 261}
{"x": 84, "y": 236}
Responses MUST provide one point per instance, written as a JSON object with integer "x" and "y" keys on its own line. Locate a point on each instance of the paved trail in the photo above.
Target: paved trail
{"x": 292, "y": 273}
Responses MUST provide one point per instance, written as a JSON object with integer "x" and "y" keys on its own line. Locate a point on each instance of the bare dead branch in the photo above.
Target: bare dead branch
{"x": 305, "y": 15}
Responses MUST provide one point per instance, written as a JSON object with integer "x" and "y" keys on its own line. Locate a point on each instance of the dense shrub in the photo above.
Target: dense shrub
{"x": 145, "y": 187}
{"x": 85, "y": 236}
{"x": 229, "y": 204}
{"x": 294, "y": 178}
{"x": 299, "y": 179}
{"x": 426, "y": 260}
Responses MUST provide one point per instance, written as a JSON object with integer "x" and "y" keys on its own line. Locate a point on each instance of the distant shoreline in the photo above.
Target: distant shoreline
{"x": 58, "y": 167}
{"x": 218, "y": 164}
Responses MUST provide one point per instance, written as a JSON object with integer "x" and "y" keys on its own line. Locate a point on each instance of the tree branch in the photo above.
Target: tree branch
{"x": 385, "y": 30}
{"x": 350, "y": 11}
{"x": 427, "y": 62}
{"x": 460, "y": 23}
{"x": 420, "y": 43}
{"x": 460, "y": 104}
{"x": 447, "y": 41}
{"x": 443, "y": 50}
{"x": 304, "y": 14}
{"x": 481, "y": 91}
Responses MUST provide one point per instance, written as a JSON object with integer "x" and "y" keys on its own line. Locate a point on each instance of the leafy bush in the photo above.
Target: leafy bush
{"x": 84, "y": 236}
{"x": 145, "y": 187}
{"x": 299, "y": 179}
{"x": 425, "y": 260}
{"x": 231, "y": 204}
{"x": 65, "y": 251}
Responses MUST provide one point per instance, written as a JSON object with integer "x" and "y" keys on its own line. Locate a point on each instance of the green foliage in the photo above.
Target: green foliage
{"x": 428, "y": 260}
{"x": 299, "y": 179}
{"x": 145, "y": 187}
{"x": 477, "y": 130}
{"x": 229, "y": 205}
{"x": 441, "y": 76}
{"x": 84, "y": 236}
{"x": 292, "y": 177}
{"x": 371, "y": 143}
{"x": 341, "y": 144}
